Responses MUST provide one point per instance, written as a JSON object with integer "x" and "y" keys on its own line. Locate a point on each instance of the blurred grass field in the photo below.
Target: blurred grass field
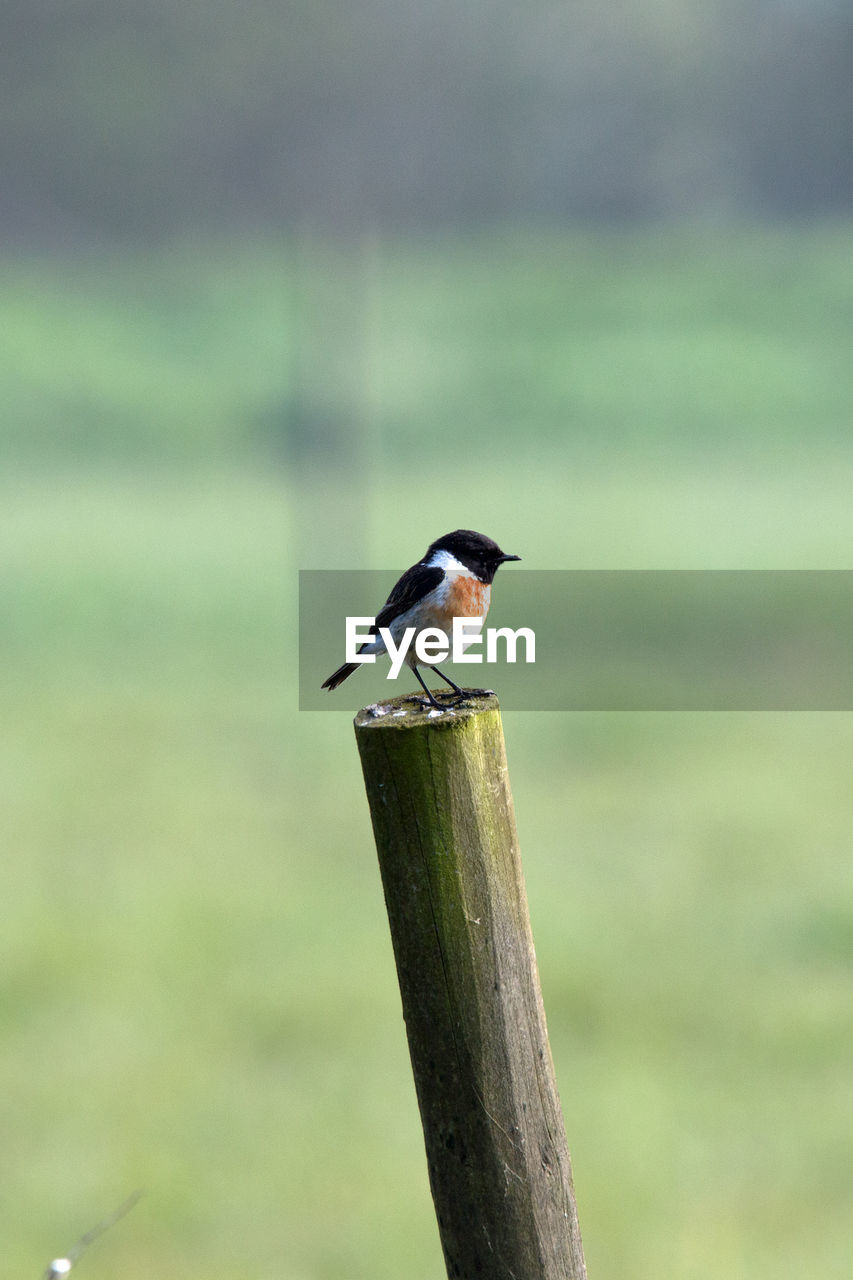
{"x": 198, "y": 993}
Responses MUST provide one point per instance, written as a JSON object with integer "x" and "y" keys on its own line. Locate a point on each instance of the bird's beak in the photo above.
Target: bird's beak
{"x": 505, "y": 558}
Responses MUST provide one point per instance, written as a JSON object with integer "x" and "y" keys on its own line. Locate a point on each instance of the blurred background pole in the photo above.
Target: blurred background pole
{"x": 331, "y": 419}
{"x": 496, "y": 1146}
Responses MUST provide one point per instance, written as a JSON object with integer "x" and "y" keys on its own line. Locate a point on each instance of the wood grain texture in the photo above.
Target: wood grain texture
{"x": 496, "y": 1147}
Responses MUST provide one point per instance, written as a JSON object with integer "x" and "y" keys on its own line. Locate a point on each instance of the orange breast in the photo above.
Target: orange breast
{"x": 465, "y": 597}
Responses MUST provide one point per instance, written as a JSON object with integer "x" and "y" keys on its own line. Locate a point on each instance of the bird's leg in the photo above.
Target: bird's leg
{"x": 447, "y": 680}
{"x": 462, "y": 694}
{"x": 431, "y": 700}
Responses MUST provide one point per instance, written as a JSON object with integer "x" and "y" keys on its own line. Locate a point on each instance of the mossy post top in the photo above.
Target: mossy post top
{"x": 410, "y": 711}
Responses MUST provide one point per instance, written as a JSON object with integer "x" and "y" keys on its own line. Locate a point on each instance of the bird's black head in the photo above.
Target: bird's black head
{"x": 477, "y": 552}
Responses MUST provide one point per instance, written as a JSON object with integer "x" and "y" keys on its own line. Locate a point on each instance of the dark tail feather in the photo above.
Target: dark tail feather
{"x": 339, "y": 676}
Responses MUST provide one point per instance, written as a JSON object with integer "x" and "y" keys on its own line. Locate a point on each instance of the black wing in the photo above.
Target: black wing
{"x": 415, "y": 583}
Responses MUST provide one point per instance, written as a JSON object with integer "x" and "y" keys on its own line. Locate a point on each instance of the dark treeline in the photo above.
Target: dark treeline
{"x": 140, "y": 118}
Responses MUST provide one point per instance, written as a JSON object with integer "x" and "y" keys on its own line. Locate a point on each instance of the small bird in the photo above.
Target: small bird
{"x": 453, "y": 580}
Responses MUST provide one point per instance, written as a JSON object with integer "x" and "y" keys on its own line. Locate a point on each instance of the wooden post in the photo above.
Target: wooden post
{"x": 445, "y": 833}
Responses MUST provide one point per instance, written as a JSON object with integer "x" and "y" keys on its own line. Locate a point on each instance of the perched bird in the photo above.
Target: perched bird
{"x": 453, "y": 580}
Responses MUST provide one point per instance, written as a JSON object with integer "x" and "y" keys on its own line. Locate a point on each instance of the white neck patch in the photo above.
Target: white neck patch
{"x": 444, "y": 560}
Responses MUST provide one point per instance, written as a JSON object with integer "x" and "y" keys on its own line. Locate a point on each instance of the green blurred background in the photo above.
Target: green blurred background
{"x": 305, "y": 287}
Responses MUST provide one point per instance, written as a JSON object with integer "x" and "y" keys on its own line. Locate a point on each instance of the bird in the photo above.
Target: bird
{"x": 452, "y": 580}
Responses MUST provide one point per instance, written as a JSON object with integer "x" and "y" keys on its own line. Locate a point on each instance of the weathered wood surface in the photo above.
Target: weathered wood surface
{"x": 496, "y": 1147}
